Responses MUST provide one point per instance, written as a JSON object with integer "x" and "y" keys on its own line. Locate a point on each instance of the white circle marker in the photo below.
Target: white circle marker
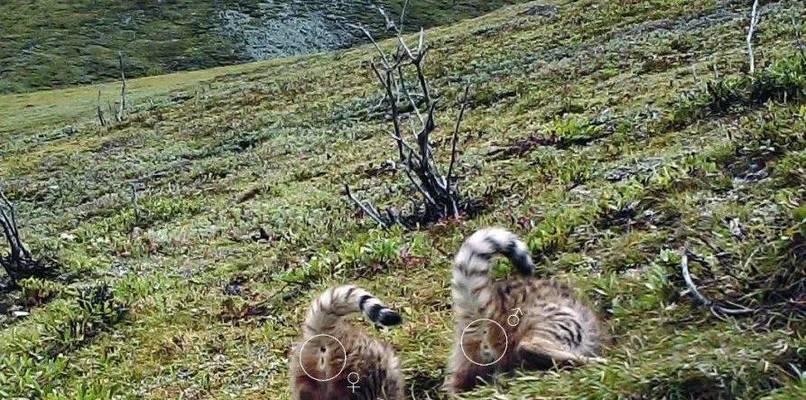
{"x": 357, "y": 378}
{"x": 506, "y": 342}
{"x": 302, "y": 349}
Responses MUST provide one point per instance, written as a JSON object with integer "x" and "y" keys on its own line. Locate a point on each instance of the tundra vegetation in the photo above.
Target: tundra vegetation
{"x": 57, "y": 43}
{"x": 627, "y": 142}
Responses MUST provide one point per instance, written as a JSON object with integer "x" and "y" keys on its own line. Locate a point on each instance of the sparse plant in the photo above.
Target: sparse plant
{"x": 783, "y": 80}
{"x": 118, "y": 113}
{"x": 437, "y": 190}
{"x": 38, "y": 291}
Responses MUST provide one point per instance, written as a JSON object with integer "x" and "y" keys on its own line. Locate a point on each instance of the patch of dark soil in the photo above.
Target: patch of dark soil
{"x": 477, "y": 206}
{"x": 249, "y": 195}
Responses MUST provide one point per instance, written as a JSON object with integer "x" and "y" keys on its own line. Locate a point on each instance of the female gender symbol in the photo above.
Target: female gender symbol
{"x": 352, "y": 382}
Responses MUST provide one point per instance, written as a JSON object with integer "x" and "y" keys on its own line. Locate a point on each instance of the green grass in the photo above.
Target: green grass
{"x": 55, "y": 43}
{"x": 589, "y": 136}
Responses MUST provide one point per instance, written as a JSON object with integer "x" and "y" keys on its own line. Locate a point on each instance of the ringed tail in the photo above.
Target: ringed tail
{"x": 471, "y": 268}
{"x": 335, "y": 303}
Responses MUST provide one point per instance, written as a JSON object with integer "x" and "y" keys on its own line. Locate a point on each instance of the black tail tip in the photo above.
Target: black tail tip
{"x": 389, "y": 318}
{"x": 523, "y": 262}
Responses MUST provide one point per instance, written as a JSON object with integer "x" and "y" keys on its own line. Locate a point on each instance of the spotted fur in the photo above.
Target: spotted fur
{"x": 522, "y": 322}
{"x": 333, "y": 354}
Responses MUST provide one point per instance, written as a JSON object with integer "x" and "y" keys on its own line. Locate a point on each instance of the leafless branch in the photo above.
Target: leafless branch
{"x": 135, "y": 206}
{"x": 390, "y": 24}
{"x": 100, "y": 111}
{"x": 122, "y": 112}
{"x": 408, "y": 94}
{"x": 754, "y": 17}
{"x": 403, "y": 15}
{"x": 372, "y": 39}
{"x": 8, "y": 213}
{"x": 369, "y": 210}
{"x": 456, "y": 135}
{"x": 387, "y": 86}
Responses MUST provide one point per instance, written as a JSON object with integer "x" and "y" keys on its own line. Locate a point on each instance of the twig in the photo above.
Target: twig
{"x": 367, "y": 210}
{"x": 122, "y": 113}
{"x": 403, "y": 16}
{"x": 135, "y": 206}
{"x": 372, "y": 39}
{"x": 390, "y": 25}
{"x": 754, "y": 17}
{"x": 10, "y": 220}
{"x": 385, "y": 83}
{"x": 419, "y": 188}
{"x": 456, "y": 136}
{"x": 100, "y": 111}
{"x": 713, "y": 306}
{"x": 408, "y": 95}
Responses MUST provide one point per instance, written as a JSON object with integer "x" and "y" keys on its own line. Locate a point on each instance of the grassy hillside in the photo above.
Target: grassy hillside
{"x": 55, "y": 43}
{"x": 608, "y": 134}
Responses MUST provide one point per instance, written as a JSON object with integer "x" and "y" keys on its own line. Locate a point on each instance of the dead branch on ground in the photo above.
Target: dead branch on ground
{"x": 716, "y": 308}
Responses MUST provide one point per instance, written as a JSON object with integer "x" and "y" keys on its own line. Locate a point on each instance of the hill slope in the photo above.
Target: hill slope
{"x": 55, "y": 43}
{"x": 597, "y": 131}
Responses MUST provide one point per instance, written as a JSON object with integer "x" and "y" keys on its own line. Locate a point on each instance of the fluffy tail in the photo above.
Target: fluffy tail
{"x": 335, "y": 303}
{"x": 471, "y": 268}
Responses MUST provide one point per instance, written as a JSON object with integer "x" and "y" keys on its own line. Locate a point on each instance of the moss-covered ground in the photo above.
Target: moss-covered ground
{"x": 608, "y": 134}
